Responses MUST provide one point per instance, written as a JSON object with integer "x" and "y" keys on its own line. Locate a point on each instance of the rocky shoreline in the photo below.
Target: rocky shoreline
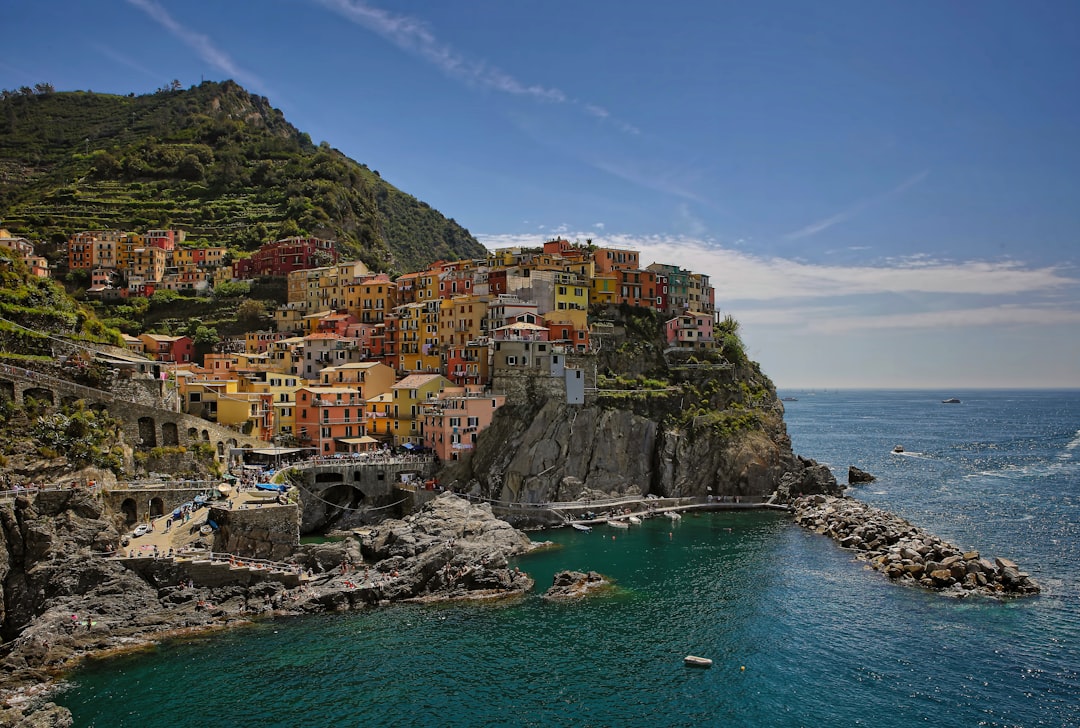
{"x": 907, "y": 553}
{"x": 68, "y": 604}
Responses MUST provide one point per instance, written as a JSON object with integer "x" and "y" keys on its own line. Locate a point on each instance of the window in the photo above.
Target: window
{"x": 195, "y": 397}
{"x": 511, "y": 360}
{"x": 474, "y": 422}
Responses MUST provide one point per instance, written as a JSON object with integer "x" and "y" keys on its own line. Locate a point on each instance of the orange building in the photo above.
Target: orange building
{"x": 327, "y": 416}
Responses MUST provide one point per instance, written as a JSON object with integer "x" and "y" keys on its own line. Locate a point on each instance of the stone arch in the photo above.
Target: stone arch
{"x": 193, "y": 434}
{"x": 342, "y": 496}
{"x": 329, "y": 477}
{"x": 130, "y": 511}
{"x": 7, "y": 390}
{"x": 68, "y": 400}
{"x": 40, "y": 394}
{"x": 170, "y": 434}
{"x": 147, "y": 432}
{"x": 157, "y": 507}
{"x": 206, "y": 435}
{"x": 220, "y": 449}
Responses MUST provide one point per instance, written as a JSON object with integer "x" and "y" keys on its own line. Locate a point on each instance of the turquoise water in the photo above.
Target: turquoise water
{"x": 823, "y": 640}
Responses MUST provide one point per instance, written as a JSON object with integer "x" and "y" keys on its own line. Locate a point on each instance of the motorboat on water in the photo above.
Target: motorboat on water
{"x": 673, "y": 516}
{"x": 635, "y": 520}
{"x": 695, "y": 661}
{"x": 951, "y": 400}
{"x": 581, "y": 527}
{"x": 898, "y": 449}
{"x": 619, "y": 524}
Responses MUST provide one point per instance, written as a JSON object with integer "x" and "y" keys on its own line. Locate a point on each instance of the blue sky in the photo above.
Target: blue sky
{"x": 884, "y": 194}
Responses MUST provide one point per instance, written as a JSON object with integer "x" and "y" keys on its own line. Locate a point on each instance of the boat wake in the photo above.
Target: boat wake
{"x": 909, "y": 454}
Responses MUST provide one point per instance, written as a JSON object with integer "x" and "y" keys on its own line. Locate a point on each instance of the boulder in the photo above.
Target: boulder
{"x": 575, "y": 584}
{"x": 856, "y": 475}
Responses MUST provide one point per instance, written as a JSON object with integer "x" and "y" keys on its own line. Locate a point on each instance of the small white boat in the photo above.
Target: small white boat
{"x": 618, "y": 524}
{"x": 581, "y": 527}
{"x": 898, "y": 449}
{"x": 695, "y": 661}
{"x": 673, "y": 515}
{"x": 635, "y": 520}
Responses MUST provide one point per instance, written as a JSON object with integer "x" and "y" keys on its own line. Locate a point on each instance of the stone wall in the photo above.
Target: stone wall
{"x": 268, "y": 532}
{"x": 140, "y": 498}
{"x": 165, "y": 572}
{"x": 146, "y": 424}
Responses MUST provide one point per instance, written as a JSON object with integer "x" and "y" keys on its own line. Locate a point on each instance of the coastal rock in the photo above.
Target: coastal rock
{"x": 575, "y": 585}
{"x": 540, "y": 449}
{"x": 450, "y": 549}
{"x": 856, "y": 476}
{"x": 907, "y": 554}
{"x": 47, "y": 715}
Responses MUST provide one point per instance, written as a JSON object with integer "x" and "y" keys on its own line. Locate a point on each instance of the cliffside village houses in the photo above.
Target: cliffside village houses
{"x": 358, "y": 360}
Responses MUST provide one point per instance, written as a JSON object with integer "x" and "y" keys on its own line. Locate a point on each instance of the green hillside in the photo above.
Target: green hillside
{"x": 213, "y": 160}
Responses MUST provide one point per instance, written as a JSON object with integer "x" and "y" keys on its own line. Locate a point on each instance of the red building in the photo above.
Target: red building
{"x": 178, "y": 349}
{"x": 284, "y": 256}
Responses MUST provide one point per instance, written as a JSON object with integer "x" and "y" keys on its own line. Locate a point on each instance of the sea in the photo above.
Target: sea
{"x": 799, "y": 631}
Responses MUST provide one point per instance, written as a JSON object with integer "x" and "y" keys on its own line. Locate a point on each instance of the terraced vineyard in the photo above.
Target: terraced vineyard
{"x": 213, "y": 160}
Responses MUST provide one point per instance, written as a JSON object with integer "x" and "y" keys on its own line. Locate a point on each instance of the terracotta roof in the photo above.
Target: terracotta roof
{"x": 416, "y": 380}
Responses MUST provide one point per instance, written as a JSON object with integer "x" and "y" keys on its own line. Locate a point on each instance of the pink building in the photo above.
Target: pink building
{"x": 692, "y": 330}
{"x": 454, "y": 420}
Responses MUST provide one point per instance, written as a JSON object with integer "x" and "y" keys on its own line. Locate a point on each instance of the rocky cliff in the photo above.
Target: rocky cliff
{"x": 681, "y": 424}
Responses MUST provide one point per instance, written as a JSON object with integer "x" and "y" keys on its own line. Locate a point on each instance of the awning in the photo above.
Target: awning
{"x": 365, "y": 440}
{"x": 278, "y": 450}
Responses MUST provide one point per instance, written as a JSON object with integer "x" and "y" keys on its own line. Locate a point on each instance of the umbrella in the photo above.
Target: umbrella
{"x": 409, "y": 446}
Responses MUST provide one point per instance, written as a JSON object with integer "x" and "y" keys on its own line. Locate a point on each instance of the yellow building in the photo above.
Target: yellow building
{"x": 571, "y": 301}
{"x": 370, "y": 378}
{"x": 147, "y": 265}
{"x": 377, "y": 416}
{"x": 221, "y": 401}
{"x": 406, "y": 418}
{"x": 370, "y": 298}
{"x": 604, "y": 289}
{"x": 277, "y": 393}
{"x": 462, "y": 319}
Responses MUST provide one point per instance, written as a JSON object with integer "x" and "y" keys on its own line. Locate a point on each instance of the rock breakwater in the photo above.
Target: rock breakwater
{"x": 907, "y": 553}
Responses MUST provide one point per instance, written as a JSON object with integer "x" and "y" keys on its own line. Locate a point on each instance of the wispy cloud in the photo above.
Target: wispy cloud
{"x": 201, "y": 44}
{"x": 844, "y": 215}
{"x": 414, "y": 36}
{"x": 117, "y": 57}
{"x": 666, "y": 181}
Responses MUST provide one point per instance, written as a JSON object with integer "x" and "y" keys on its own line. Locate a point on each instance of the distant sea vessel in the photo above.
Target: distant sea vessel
{"x": 950, "y": 400}
{"x": 789, "y": 399}
{"x": 898, "y": 448}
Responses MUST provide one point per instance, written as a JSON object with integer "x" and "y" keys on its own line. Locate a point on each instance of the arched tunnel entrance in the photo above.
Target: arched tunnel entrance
{"x": 130, "y": 511}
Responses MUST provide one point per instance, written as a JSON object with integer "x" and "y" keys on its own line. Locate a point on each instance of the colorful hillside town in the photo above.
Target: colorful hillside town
{"x": 360, "y": 361}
